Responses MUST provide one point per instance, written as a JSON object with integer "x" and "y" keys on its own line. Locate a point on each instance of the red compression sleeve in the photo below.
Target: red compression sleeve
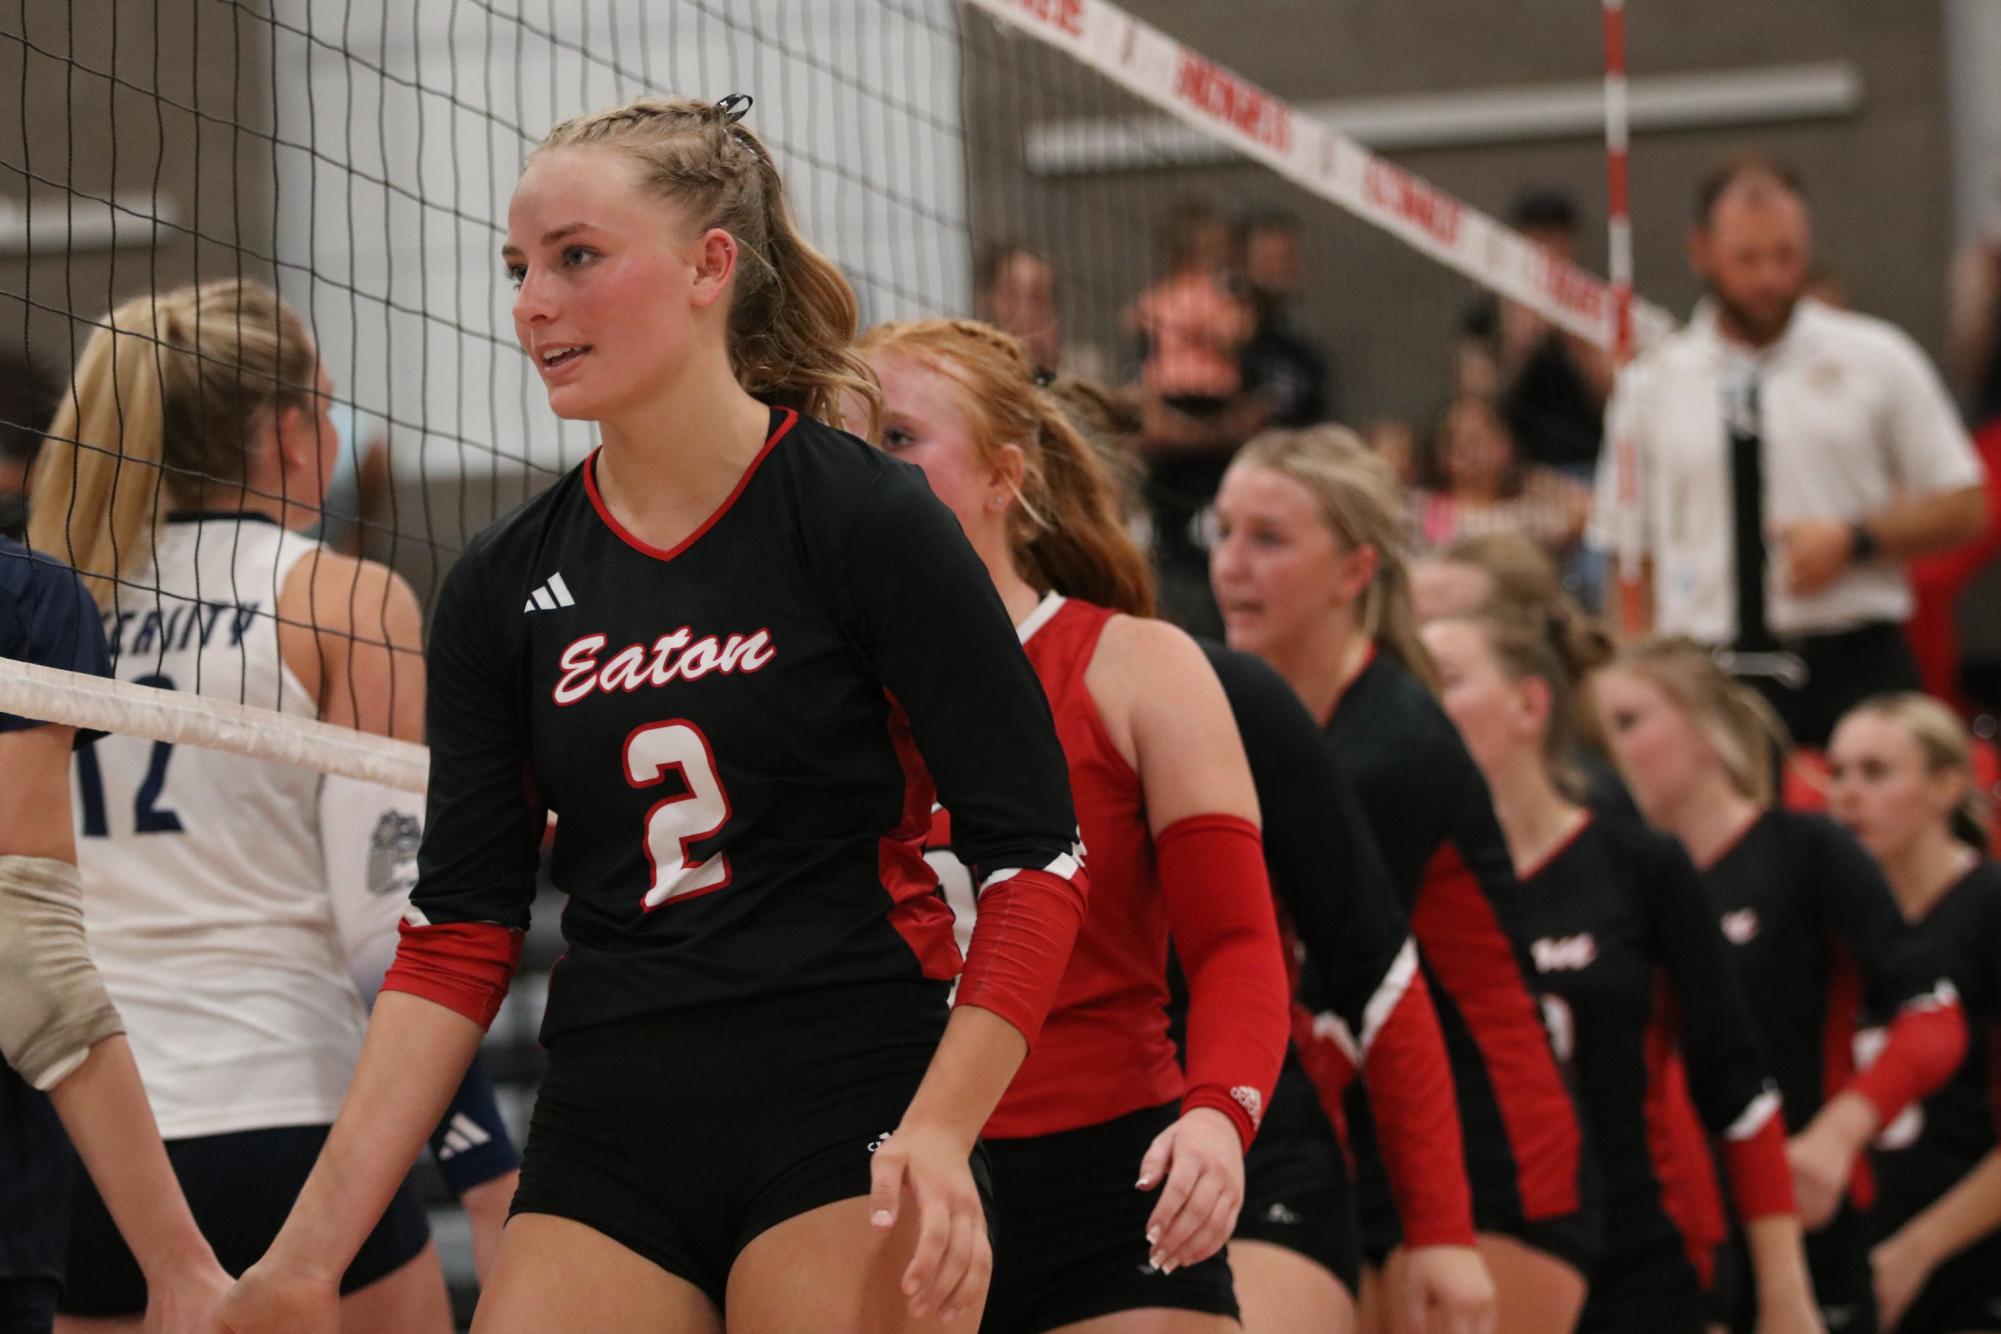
{"x": 1925, "y": 1044}
{"x": 1219, "y": 908}
{"x": 1027, "y": 921}
{"x": 1409, "y": 1081}
{"x": 1754, "y": 1156}
{"x": 463, "y": 966}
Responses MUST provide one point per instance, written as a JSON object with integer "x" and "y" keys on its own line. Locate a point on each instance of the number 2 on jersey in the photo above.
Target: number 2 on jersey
{"x": 675, "y": 822}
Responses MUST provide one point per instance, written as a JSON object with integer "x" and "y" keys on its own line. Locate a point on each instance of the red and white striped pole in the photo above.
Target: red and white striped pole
{"x": 1619, "y": 223}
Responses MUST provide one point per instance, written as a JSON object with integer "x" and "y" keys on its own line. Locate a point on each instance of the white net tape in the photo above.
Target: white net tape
{"x": 76, "y": 700}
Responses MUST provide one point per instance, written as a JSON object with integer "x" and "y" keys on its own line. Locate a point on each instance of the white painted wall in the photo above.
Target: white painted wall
{"x": 403, "y": 123}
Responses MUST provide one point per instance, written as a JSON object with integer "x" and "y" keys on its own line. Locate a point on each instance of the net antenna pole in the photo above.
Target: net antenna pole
{"x": 1619, "y": 275}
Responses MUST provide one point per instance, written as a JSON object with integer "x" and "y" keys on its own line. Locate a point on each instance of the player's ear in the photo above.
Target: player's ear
{"x": 714, "y": 256}
{"x": 1010, "y": 467}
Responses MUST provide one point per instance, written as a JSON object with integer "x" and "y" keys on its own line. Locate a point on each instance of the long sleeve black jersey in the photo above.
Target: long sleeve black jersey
{"x": 1358, "y": 962}
{"x": 1631, "y": 965}
{"x": 1926, "y": 1151}
{"x": 1817, "y": 935}
{"x": 1433, "y": 822}
{"x": 738, "y": 735}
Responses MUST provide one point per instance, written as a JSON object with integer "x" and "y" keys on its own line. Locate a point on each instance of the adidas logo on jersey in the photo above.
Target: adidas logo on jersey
{"x": 552, "y": 594}
{"x": 462, "y": 1134}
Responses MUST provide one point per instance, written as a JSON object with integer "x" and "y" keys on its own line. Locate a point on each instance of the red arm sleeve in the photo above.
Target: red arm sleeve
{"x": 463, "y": 966}
{"x": 1926, "y": 1042}
{"x": 1754, "y": 1156}
{"x": 1219, "y": 907}
{"x": 1409, "y": 1082}
{"x": 1021, "y": 942}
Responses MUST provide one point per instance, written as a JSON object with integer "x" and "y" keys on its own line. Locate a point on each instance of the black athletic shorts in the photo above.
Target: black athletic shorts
{"x": 1573, "y": 1238}
{"x": 28, "y": 1305}
{"x": 1643, "y": 1283}
{"x": 1297, "y": 1191}
{"x": 240, "y": 1187}
{"x": 683, "y": 1136}
{"x": 1070, "y": 1235}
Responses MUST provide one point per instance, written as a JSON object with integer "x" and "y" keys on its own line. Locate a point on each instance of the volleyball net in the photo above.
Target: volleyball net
{"x": 356, "y": 156}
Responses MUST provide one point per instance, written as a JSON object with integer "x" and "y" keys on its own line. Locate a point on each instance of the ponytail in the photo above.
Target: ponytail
{"x": 161, "y": 406}
{"x": 1065, "y": 530}
{"x": 793, "y": 316}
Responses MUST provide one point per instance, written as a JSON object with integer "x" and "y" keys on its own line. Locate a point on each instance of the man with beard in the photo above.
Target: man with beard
{"x": 1787, "y": 459}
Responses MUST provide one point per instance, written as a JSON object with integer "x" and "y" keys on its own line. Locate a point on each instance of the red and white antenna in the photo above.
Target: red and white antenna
{"x": 1619, "y": 269}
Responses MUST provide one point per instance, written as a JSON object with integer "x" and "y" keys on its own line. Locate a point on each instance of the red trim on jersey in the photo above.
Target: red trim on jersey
{"x": 1678, "y": 1145}
{"x": 1212, "y": 877}
{"x": 1541, "y": 864}
{"x": 1924, "y": 1045}
{"x": 1837, "y": 1056}
{"x": 920, "y": 915}
{"x": 463, "y": 966}
{"x": 1475, "y": 964}
{"x": 1409, "y": 1082}
{"x": 1021, "y": 943}
{"x": 625, "y": 535}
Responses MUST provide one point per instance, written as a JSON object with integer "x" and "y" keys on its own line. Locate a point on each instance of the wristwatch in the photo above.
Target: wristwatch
{"x": 1862, "y": 544}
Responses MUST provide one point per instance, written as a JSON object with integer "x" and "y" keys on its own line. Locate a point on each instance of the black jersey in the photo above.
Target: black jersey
{"x": 1433, "y": 822}
{"x": 1925, "y": 1152}
{"x": 1631, "y": 964}
{"x": 46, "y": 618}
{"x": 1816, "y": 935}
{"x": 730, "y": 734}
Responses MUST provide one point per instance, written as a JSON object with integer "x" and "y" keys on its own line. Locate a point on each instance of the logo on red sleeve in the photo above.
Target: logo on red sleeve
{"x": 1251, "y": 1101}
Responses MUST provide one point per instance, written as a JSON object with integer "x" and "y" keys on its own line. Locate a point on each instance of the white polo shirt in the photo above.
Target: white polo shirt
{"x": 1853, "y": 418}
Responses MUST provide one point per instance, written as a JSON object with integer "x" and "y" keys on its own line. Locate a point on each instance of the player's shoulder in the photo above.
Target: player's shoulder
{"x": 46, "y": 614}
{"x": 1649, "y": 853}
{"x": 832, "y": 474}
{"x": 1248, "y": 680}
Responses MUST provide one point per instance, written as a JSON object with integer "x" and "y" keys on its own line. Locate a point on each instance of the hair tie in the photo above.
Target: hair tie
{"x": 735, "y": 107}
{"x": 1044, "y": 377}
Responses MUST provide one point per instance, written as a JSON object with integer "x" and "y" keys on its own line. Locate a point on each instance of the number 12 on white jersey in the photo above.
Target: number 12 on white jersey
{"x": 675, "y": 822}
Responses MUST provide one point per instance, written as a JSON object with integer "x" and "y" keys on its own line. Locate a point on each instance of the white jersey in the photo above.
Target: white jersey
{"x": 205, "y": 893}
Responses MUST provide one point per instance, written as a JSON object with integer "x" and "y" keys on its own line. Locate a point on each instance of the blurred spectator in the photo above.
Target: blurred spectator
{"x": 1394, "y": 439}
{"x": 1551, "y": 385}
{"x": 1790, "y": 458}
{"x": 1017, "y": 293}
{"x": 1193, "y": 328}
{"x": 1973, "y": 327}
{"x": 1938, "y": 580}
{"x": 1472, "y": 481}
{"x": 27, "y": 405}
{"x": 1279, "y": 365}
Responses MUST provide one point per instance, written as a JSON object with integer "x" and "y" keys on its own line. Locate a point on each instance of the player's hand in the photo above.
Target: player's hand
{"x": 1901, "y": 1268}
{"x": 271, "y": 1300}
{"x": 1448, "y": 1291}
{"x": 928, "y": 1168}
{"x": 1820, "y": 1176}
{"x": 1201, "y": 1159}
{"x": 185, "y": 1302}
{"x": 486, "y": 1208}
{"x": 1815, "y": 552}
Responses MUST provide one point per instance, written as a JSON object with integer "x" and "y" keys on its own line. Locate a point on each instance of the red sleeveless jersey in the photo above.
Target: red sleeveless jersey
{"x": 1104, "y": 1049}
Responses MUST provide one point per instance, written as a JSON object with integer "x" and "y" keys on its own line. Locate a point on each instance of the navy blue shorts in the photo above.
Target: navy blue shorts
{"x": 240, "y": 1187}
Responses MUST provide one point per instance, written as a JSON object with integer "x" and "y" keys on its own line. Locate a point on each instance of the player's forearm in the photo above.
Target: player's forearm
{"x": 1777, "y": 1259}
{"x": 1847, "y": 1121}
{"x": 971, "y": 1069}
{"x": 411, "y": 1064}
{"x": 103, "y": 1107}
{"x": 1961, "y": 1216}
{"x": 1925, "y": 524}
